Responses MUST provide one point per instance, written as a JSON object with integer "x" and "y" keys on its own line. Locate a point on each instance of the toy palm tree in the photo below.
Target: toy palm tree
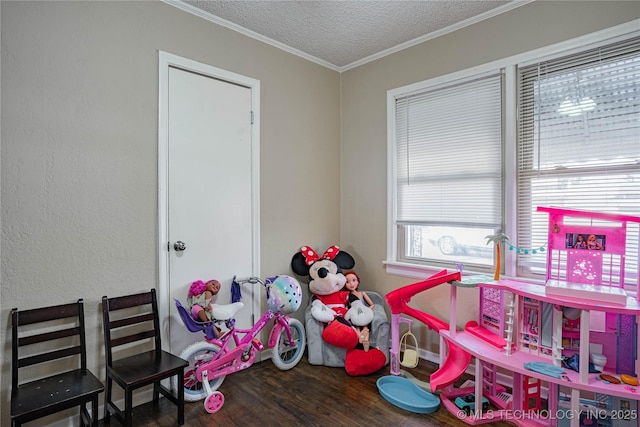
{"x": 497, "y": 238}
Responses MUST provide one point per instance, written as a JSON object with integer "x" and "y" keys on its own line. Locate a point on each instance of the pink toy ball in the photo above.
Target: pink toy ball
{"x": 284, "y": 295}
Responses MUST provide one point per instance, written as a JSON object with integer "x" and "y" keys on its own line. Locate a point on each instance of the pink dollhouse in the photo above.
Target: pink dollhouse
{"x": 588, "y": 306}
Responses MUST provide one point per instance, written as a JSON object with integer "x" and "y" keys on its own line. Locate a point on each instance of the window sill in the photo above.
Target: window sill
{"x": 416, "y": 271}
{"x": 413, "y": 271}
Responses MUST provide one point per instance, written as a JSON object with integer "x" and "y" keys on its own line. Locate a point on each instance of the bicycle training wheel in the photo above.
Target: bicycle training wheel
{"x": 286, "y": 355}
{"x": 214, "y": 402}
{"x": 197, "y": 354}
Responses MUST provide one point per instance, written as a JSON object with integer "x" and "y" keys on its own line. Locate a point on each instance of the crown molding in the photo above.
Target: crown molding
{"x": 242, "y": 30}
{"x": 435, "y": 34}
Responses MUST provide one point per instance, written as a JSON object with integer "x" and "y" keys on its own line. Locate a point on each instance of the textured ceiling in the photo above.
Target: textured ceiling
{"x": 341, "y": 34}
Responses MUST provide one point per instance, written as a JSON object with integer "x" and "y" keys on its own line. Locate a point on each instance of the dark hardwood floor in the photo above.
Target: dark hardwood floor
{"x": 307, "y": 395}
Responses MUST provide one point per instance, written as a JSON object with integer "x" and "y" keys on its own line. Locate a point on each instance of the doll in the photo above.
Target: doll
{"x": 593, "y": 244}
{"x": 580, "y": 242}
{"x": 200, "y": 300}
{"x": 352, "y": 284}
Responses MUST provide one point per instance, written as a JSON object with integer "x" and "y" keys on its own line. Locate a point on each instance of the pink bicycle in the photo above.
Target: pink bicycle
{"x": 212, "y": 359}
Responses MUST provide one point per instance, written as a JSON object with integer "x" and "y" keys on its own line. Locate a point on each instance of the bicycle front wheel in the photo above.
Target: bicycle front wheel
{"x": 197, "y": 354}
{"x": 286, "y": 354}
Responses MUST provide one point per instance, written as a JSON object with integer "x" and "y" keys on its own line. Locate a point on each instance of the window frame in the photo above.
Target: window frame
{"x": 488, "y": 159}
{"x": 509, "y": 66}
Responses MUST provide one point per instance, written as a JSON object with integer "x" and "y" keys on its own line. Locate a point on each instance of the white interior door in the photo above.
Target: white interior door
{"x": 211, "y": 194}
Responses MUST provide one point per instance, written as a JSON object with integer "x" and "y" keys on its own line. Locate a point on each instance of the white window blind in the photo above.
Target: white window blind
{"x": 449, "y": 154}
{"x": 578, "y": 141}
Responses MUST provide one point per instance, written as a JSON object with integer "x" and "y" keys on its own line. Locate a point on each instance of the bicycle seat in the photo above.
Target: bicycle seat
{"x": 191, "y": 324}
{"x": 225, "y": 311}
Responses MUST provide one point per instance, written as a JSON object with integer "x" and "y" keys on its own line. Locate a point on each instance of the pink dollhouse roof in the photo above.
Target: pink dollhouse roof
{"x": 589, "y": 214}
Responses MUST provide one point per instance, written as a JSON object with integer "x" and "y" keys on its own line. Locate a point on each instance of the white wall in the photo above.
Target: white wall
{"x": 79, "y": 151}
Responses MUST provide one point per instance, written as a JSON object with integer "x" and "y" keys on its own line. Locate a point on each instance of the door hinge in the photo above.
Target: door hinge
{"x": 252, "y": 117}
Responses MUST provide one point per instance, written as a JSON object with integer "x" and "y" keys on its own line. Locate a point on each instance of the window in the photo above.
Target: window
{"x": 448, "y": 179}
{"x": 471, "y": 155}
{"x": 579, "y": 142}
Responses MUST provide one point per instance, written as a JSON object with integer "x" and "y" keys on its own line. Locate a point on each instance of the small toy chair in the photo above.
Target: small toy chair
{"x": 321, "y": 353}
{"x": 409, "y": 356}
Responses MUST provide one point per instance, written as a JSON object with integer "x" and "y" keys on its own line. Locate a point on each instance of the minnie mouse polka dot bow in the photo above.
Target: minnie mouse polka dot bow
{"x": 311, "y": 256}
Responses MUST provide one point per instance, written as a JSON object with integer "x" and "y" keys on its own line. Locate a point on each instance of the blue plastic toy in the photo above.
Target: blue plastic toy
{"x": 468, "y": 403}
{"x": 404, "y": 394}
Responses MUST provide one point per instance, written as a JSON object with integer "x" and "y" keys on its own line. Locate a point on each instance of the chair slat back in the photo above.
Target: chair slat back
{"x": 124, "y": 328}
{"x": 30, "y": 346}
{"x": 46, "y": 357}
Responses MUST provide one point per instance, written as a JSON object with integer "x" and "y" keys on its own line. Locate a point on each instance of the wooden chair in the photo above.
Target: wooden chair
{"x": 42, "y": 337}
{"x": 134, "y": 319}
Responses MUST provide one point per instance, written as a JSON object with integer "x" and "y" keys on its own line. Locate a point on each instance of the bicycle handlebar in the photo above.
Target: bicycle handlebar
{"x": 253, "y": 280}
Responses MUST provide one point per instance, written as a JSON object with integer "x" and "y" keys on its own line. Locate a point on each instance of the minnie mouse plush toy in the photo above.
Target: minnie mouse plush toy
{"x": 329, "y": 305}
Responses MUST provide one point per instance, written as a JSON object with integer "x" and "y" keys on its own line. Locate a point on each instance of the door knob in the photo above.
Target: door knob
{"x": 179, "y": 246}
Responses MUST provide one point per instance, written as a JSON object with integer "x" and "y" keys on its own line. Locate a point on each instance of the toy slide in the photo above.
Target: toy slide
{"x": 484, "y": 334}
{"x": 457, "y": 359}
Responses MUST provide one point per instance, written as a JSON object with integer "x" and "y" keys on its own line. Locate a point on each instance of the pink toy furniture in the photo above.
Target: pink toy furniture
{"x": 589, "y": 301}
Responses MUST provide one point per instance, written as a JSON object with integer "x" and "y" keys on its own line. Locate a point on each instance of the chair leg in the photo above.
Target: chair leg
{"x": 89, "y": 419}
{"x": 84, "y": 415}
{"x": 94, "y": 411}
{"x": 156, "y": 392}
{"x": 180, "y": 393}
{"x": 107, "y": 399}
{"x": 128, "y": 408}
